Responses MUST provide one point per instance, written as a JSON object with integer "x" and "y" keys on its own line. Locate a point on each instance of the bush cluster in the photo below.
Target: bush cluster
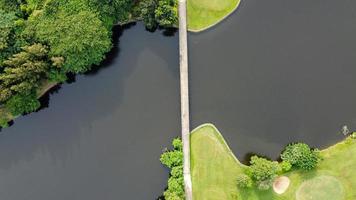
{"x": 262, "y": 171}
{"x": 244, "y": 181}
{"x": 301, "y": 156}
{"x": 22, "y": 104}
{"x": 173, "y": 159}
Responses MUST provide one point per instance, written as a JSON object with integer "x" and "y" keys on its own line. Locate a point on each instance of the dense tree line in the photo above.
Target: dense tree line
{"x": 173, "y": 159}
{"x": 43, "y": 40}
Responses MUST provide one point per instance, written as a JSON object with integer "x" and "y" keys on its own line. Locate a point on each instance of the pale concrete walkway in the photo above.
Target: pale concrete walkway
{"x": 184, "y": 92}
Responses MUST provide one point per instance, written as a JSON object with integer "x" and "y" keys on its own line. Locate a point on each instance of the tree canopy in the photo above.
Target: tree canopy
{"x": 174, "y": 160}
{"x": 44, "y": 40}
{"x": 80, "y": 38}
{"x": 23, "y": 71}
{"x": 7, "y": 32}
{"x": 301, "y": 155}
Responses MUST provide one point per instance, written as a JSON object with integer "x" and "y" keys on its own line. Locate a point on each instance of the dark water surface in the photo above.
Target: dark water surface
{"x": 274, "y": 72}
{"x": 101, "y": 137}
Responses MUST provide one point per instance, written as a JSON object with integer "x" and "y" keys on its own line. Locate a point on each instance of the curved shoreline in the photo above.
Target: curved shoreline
{"x": 217, "y": 22}
{"x": 211, "y": 125}
{"x": 221, "y": 138}
{"x": 208, "y": 140}
{"x": 47, "y": 86}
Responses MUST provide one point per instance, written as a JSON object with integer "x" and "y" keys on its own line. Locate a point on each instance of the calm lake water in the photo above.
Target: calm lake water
{"x": 273, "y": 73}
{"x": 276, "y": 72}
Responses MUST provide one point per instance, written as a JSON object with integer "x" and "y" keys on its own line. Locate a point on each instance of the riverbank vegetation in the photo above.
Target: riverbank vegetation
{"x": 203, "y": 14}
{"x": 217, "y": 174}
{"x": 42, "y": 41}
{"x": 173, "y": 159}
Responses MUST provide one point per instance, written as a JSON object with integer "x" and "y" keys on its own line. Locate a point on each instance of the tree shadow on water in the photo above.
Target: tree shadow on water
{"x": 117, "y": 32}
{"x": 58, "y": 129}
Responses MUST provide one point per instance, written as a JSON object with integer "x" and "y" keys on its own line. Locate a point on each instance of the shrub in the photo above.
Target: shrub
{"x": 265, "y": 185}
{"x": 3, "y": 122}
{"x": 175, "y": 188}
{"x": 147, "y": 13}
{"x": 174, "y": 160}
{"x": 158, "y": 13}
{"x": 22, "y": 104}
{"x": 285, "y": 166}
{"x": 244, "y": 181}
{"x": 177, "y": 144}
{"x": 301, "y": 156}
{"x": 353, "y": 135}
{"x": 166, "y": 13}
{"x": 24, "y": 71}
{"x": 263, "y": 171}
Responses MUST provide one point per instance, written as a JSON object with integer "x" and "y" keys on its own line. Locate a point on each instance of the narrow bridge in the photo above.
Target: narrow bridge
{"x": 184, "y": 92}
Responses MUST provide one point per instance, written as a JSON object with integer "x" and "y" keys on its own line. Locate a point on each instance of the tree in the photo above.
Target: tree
{"x": 301, "y": 156}
{"x": 7, "y": 28}
{"x": 81, "y": 39}
{"x": 9, "y": 5}
{"x": 4, "y": 122}
{"x": 23, "y": 104}
{"x": 158, "y": 12}
{"x": 147, "y": 13}
{"x": 166, "y": 13}
{"x": 263, "y": 171}
{"x": 285, "y": 166}
{"x": 23, "y": 71}
{"x": 174, "y": 160}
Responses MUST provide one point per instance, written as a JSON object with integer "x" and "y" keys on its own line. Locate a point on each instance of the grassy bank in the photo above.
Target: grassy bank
{"x": 215, "y": 169}
{"x": 203, "y": 14}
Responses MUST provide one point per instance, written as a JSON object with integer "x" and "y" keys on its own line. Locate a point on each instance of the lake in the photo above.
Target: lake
{"x": 274, "y": 72}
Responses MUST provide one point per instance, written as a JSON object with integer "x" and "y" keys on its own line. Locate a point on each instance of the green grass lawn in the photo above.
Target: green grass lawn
{"x": 214, "y": 171}
{"x": 203, "y": 14}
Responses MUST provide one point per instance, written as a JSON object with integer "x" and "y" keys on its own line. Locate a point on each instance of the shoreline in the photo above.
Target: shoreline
{"x": 47, "y": 86}
{"x": 232, "y": 153}
{"x": 220, "y": 137}
{"x": 207, "y": 140}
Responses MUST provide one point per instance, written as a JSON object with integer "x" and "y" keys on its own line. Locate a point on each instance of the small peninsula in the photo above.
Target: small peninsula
{"x": 204, "y": 14}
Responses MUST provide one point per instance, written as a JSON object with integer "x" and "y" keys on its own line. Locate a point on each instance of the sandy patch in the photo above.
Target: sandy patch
{"x": 281, "y": 184}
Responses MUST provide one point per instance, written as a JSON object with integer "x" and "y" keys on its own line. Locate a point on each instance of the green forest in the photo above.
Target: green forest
{"x": 42, "y": 41}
